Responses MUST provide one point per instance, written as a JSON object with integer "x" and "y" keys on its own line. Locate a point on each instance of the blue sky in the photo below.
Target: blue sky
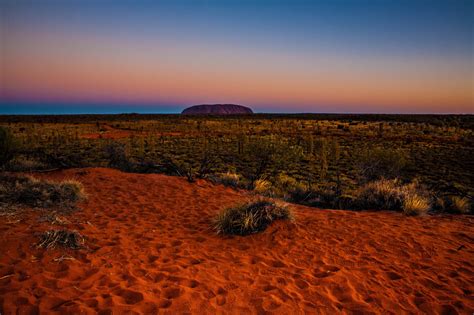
{"x": 298, "y": 56}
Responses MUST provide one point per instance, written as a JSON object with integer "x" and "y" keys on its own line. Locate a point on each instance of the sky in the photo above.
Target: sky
{"x": 359, "y": 56}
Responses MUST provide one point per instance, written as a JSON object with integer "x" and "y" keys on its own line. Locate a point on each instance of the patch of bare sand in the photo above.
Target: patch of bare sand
{"x": 151, "y": 250}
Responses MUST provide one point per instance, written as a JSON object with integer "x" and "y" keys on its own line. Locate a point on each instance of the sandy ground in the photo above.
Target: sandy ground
{"x": 151, "y": 250}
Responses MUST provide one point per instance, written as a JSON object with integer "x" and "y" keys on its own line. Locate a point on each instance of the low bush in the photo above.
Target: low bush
{"x": 459, "y": 204}
{"x": 382, "y": 194}
{"x": 250, "y": 217}
{"x": 21, "y": 163}
{"x": 32, "y": 192}
{"x": 327, "y": 197}
{"x": 116, "y": 154}
{"x": 262, "y": 186}
{"x": 415, "y": 204}
{"x": 266, "y": 157}
{"x": 7, "y": 146}
{"x": 291, "y": 189}
{"x": 381, "y": 163}
{"x": 227, "y": 179}
{"x": 386, "y": 194}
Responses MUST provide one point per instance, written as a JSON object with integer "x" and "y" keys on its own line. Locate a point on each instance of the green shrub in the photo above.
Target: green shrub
{"x": 21, "y": 163}
{"x": 7, "y": 146}
{"x": 381, "y": 163}
{"x": 290, "y": 189}
{"x": 116, "y": 154}
{"x": 266, "y": 158}
{"x": 251, "y": 217}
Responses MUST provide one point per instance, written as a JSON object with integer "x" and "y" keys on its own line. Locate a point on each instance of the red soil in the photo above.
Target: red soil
{"x": 121, "y": 134}
{"x": 150, "y": 249}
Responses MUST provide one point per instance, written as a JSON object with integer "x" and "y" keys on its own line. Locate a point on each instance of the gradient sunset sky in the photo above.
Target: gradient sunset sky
{"x": 298, "y": 56}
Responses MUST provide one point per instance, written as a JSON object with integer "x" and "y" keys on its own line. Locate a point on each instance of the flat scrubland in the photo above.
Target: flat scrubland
{"x": 242, "y": 214}
{"x": 320, "y": 160}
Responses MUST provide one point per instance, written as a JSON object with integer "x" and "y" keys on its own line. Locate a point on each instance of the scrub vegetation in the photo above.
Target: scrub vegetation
{"x": 410, "y": 163}
{"x": 251, "y": 217}
{"x": 26, "y": 191}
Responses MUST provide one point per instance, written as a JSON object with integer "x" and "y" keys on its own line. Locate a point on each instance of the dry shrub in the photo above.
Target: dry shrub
{"x": 21, "y": 163}
{"x": 452, "y": 204}
{"x": 459, "y": 204}
{"x": 63, "y": 238}
{"x": 116, "y": 154}
{"x": 381, "y": 163}
{"x": 385, "y": 194}
{"x": 7, "y": 145}
{"x": 440, "y": 204}
{"x": 227, "y": 179}
{"x": 262, "y": 186}
{"x": 414, "y": 204}
{"x": 32, "y": 192}
{"x": 382, "y": 194}
{"x": 250, "y": 217}
{"x": 291, "y": 189}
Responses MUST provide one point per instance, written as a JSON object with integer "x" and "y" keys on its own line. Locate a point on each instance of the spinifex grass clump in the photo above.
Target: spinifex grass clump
{"x": 250, "y": 217}
{"x": 453, "y": 204}
{"x": 228, "y": 179}
{"x": 63, "y": 238}
{"x": 411, "y": 199}
{"x": 32, "y": 192}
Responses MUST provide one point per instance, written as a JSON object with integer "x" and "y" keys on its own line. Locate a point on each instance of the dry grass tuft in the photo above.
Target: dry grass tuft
{"x": 291, "y": 189}
{"x": 32, "y": 192}
{"x": 227, "y": 179}
{"x": 385, "y": 194}
{"x": 460, "y": 204}
{"x": 381, "y": 195}
{"x": 21, "y": 163}
{"x": 262, "y": 186}
{"x": 250, "y": 217}
{"x": 63, "y": 238}
{"x": 414, "y": 204}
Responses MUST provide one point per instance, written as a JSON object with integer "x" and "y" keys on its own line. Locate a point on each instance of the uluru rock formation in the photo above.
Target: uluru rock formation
{"x": 217, "y": 109}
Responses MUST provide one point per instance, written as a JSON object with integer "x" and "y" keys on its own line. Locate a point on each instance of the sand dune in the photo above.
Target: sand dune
{"x": 150, "y": 249}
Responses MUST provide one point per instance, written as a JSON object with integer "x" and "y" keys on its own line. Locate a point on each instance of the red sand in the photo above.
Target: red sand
{"x": 122, "y": 134}
{"x": 113, "y": 133}
{"x": 151, "y": 250}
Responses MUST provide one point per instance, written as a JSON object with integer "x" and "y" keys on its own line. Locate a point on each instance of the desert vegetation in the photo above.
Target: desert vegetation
{"x": 250, "y": 217}
{"x": 63, "y": 238}
{"x": 392, "y": 195}
{"x": 28, "y": 191}
{"x": 6, "y": 146}
{"x": 53, "y": 200}
{"x": 316, "y": 160}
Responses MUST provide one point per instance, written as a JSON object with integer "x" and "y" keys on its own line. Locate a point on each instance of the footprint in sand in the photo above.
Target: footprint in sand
{"x": 325, "y": 271}
{"x": 278, "y": 264}
{"x": 393, "y": 275}
{"x": 221, "y": 296}
{"x": 164, "y": 303}
{"x": 129, "y": 296}
{"x": 300, "y": 283}
{"x": 191, "y": 283}
{"x": 171, "y": 293}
